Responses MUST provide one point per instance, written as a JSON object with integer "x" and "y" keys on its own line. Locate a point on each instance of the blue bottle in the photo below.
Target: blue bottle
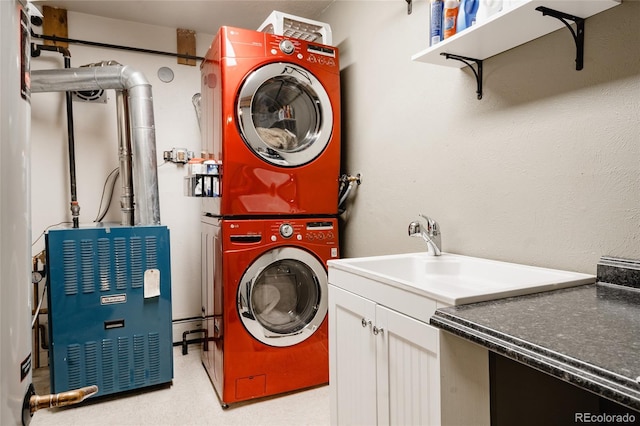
{"x": 467, "y": 14}
{"x": 435, "y": 31}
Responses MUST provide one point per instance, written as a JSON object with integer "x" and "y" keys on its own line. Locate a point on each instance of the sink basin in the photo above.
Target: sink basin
{"x": 456, "y": 279}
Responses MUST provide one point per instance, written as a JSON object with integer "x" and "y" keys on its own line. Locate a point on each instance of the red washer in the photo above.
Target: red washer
{"x": 270, "y": 113}
{"x": 265, "y": 304}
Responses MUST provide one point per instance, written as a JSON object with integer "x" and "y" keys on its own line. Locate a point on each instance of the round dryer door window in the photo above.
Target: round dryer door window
{"x": 284, "y": 114}
{"x": 282, "y": 297}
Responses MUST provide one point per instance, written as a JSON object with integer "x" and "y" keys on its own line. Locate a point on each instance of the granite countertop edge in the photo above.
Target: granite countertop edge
{"x": 617, "y": 279}
{"x": 568, "y": 369}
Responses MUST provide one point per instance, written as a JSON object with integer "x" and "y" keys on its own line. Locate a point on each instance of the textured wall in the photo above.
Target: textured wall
{"x": 544, "y": 170}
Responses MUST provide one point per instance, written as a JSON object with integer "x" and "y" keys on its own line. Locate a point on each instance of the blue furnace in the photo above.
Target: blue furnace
{"x": 109, "y": 307}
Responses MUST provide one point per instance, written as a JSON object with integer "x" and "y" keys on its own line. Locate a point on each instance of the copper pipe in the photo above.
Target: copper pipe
{"x": 37, "y": 402}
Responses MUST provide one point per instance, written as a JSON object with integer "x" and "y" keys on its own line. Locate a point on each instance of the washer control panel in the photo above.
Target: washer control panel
{"x": 318, "y": 231}
{"x": 286, "y": 230}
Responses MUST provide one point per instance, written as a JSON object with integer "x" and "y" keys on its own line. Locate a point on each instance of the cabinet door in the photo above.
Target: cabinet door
{"x": 352, "y": 354}
{"x": 408, "y": 370}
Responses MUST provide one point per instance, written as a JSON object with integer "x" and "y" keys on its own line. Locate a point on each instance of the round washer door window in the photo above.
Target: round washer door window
{"x": 284, "y": 114}
{"x": 282, "y": 297}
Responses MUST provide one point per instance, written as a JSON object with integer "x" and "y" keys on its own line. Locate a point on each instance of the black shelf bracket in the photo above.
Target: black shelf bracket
{"x": 409, "y": 6}
{"x": 578, "y": 36}
{"x": 468, "y": 62}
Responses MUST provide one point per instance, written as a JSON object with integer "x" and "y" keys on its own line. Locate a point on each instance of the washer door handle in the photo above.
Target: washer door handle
{"x": 244, "y": 302}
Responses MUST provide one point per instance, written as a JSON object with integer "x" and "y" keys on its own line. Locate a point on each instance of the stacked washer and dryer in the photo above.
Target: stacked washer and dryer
{"x": 270, "y": 117}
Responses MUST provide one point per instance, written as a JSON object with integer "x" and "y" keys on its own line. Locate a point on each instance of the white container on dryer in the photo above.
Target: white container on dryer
{"x": 296, "y": 27}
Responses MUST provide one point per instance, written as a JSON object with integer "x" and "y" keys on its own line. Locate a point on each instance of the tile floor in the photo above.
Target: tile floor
{"x": 190, "y": 400}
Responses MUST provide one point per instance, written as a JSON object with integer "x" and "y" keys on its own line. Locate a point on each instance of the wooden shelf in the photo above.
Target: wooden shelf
{"x": 508, "y": 29}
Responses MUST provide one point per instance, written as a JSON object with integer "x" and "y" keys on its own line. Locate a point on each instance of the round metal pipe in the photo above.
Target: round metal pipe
{"x": 75, "y": 207}
{"x": 140, "y": 114}
{"x": 124, "y": 148}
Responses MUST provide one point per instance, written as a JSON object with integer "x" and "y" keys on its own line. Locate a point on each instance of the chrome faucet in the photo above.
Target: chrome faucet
{"x": 429, "y": 230}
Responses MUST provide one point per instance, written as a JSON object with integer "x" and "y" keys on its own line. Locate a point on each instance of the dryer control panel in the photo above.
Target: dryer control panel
{"x": 241, "y": 43}
{"x": 317, "y": 54}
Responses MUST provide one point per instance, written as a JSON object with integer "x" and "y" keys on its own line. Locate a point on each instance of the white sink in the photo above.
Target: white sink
{"x": 455, "y": 279}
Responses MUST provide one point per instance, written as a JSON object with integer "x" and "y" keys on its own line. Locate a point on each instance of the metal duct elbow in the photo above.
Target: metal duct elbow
{"x": 141, "y": 123}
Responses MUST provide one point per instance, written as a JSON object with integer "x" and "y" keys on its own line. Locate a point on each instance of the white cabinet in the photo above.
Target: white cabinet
{"x": 388, "y": 366}
{"x": 352, "y": 359}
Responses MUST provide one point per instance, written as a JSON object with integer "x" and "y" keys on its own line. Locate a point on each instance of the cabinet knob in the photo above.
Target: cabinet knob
{"x": 365, "y": 322}
{"x": 377, "y": 330}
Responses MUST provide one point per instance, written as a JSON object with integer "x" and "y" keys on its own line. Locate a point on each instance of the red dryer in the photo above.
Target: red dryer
{"x": 270, "y": 113}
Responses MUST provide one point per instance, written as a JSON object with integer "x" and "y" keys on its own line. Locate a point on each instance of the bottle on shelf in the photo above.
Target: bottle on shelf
{"x": 451, "y": 8}
{"x": 435, "y": 30}
{"x": 487, "y": 8}
{"x": 467, "y": 14}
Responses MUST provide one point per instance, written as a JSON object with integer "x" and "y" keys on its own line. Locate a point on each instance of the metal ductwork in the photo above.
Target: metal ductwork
{"x": 139, "y": 122}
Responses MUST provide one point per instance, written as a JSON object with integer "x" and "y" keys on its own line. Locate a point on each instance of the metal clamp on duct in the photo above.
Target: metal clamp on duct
{"x": 136, "y": 130}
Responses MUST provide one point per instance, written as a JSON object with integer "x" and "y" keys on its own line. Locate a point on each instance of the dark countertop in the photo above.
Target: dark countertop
{"x": 587, "y": 335}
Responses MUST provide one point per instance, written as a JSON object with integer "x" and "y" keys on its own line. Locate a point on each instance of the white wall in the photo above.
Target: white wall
{"x": 96, "y": 144}
{"x": 544, "y": 170}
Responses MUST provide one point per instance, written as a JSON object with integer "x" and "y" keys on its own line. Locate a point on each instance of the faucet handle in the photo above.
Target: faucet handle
{"x": 414, "y": 228}
{"x": 429, "y": 231}
{"x": 432, "y": 226}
